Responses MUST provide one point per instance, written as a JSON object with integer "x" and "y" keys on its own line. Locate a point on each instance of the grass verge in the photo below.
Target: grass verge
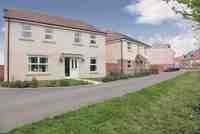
{"x": 171, "y": 107}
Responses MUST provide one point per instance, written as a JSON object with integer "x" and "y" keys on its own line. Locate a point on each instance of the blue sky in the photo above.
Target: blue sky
{"x": 150, "y": 24}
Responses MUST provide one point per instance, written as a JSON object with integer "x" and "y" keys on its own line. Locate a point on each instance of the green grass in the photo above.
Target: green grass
{"x": 170, "y": 107}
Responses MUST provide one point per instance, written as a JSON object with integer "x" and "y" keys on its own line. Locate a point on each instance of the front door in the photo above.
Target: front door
{"x": 71, "y": 68}
{"x": 67, "y": 67}
{"x": 74, "y": 69}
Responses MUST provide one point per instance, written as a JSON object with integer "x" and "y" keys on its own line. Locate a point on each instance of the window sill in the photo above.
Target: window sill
{"x": 79, "y": 45}
{"x": 38, "y": 74}
{"x": 95, "y": 72}
{"x": 94, "y": 46}
{"x": 49, "y": 42}
{"x": 24, "y": 39}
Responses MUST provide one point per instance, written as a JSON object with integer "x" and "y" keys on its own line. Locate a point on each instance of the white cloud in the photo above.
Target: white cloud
{"x": 152, "y": 11}
{"x": 181, "y": 43}
{"x": 156, "y": 12}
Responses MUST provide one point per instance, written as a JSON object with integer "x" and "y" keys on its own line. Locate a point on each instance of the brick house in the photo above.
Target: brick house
{"x": 125, "y": 54}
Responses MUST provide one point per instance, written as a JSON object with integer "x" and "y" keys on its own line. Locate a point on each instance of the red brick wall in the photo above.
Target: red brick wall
{"x": 1, "y": 72}
{"x": 113, "y": 67}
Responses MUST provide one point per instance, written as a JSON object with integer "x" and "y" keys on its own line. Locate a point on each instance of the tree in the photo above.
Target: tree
{"x": 191, "y": 12}
{"x": 190, "y": 9}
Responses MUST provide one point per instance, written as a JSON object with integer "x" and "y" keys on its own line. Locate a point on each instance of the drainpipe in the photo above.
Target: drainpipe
{"x": 122, "y": 67}
{"x": 8, "y": 51}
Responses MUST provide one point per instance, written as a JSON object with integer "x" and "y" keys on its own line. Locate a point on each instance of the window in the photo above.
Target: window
{"x": 26, "y": 31}
{"x": 129, "y": 46}
{"x": 48, "y": 34}
{"x": 77, "y": 37}
{"x": 93, "y": 39}
{"x": 129, "y": 64}
{"x": 93, "y": 64}
{"x": 37, "y": 64}
{"x": 74, "y": 62}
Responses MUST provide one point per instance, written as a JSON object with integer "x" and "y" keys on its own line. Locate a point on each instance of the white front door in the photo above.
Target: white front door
{"x": 74, "y": 68}
{"x": 71, "y": 68}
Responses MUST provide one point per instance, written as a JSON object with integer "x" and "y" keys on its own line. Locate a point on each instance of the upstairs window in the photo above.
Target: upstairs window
{"x": 77, "y": 37}
{"x": 92, "y": 39}
{"x": 48, "y": 34}
{"x": 26, "y": 31}
{"x": 37, "y": 64}
{"x": 129, "y": 64}
{"x": 93, "y": 65}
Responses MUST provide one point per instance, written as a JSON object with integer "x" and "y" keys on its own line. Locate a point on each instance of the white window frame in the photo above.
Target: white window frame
{"x": 93, "y": 39}
{"x": 77, "y": 37}
{"x": 37, "y": 64}
{"x": 26, "y": 29}
{"x": 93, "y": 64}
{"x": 74, "y": 62}
{"x": 49, "y": 32}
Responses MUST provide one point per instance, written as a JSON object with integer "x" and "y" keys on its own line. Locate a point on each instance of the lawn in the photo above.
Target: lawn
{"x": 171, "y": 107}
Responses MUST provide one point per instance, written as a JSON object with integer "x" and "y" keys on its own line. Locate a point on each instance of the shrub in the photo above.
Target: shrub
{"x": 26, "y": 84}
{"x": 34, "y": 83}
{"x": 11, "y": 84}
{"x": 118, "y": 76}
{"x": 52, "y": 83}
{"x": 17, "y": 84}
{"x": 5, "y": 84}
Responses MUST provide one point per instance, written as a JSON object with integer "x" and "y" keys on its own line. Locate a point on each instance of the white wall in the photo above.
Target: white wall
{"x": 64, "y": 40}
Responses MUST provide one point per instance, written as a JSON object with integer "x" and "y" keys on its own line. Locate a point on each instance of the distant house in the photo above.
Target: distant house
{"x": 51, "y": 47}
{"x": 162, "y": 56}
{"x": 125, "y": 54}
{"x": 189, "y": 60}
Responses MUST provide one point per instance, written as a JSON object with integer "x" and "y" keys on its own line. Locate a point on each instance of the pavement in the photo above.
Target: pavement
{"x": 23, "y": 106}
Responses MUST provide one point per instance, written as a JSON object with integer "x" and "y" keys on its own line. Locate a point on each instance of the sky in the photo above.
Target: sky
{"x": 151, "y": 21}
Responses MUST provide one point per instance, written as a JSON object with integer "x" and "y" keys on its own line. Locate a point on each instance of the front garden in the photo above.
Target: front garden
{"x": 42, "y": 83}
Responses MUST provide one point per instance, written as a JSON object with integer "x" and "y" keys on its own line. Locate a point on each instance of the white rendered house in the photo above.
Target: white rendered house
{"x": 51, "y": 47}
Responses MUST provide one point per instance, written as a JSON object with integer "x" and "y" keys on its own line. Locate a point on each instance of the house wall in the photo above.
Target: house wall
{"x": 63, "y": 43}
{"x": 1, "y": 72}
{"x": 113, "y": 56}
{"x": 163, "y": 57}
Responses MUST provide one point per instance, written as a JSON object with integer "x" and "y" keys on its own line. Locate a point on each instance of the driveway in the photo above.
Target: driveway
{"x": 23, "y": 106}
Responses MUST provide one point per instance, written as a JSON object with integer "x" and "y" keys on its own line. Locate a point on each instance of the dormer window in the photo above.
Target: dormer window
{"x": 48, "y": 34}
{"x": 26, "y": 31}
{"x": 77, "y": 37}
{"x": 92, "y": 39}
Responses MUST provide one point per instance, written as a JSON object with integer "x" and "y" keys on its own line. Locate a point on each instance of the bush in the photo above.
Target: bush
{"x": 17, "y": 84}
{"x": 11, "y": 84}
{"x": 5, "y": 84}
{"x": 26, "y": 84}
{"x": 45, "y": 83}
{"x": 34, "y": 83}
{"x": 118, "y": 76}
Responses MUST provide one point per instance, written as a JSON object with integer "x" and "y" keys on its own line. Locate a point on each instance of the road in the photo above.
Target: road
{"x": 24, "y": 106}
